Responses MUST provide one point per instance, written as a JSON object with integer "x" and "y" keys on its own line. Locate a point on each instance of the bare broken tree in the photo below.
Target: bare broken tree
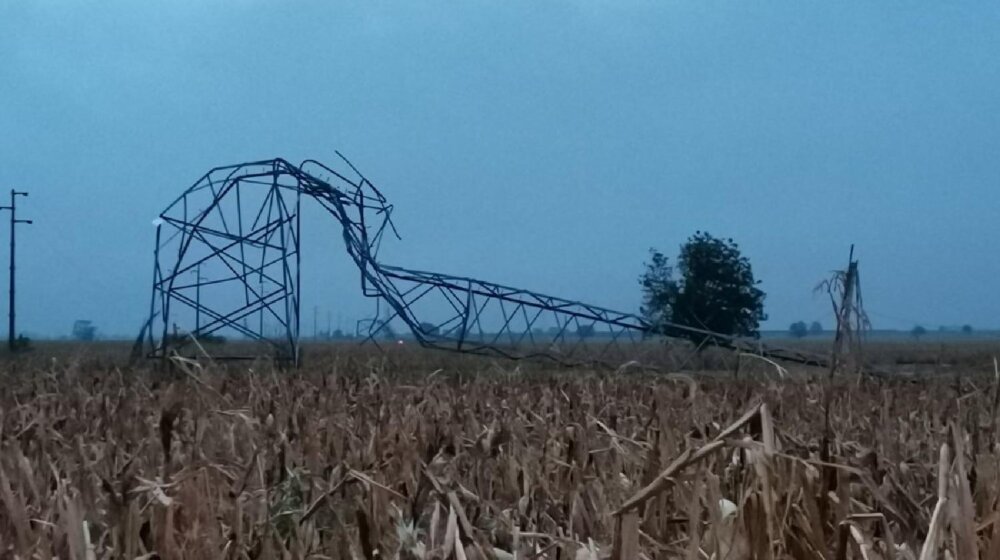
{"x": 844, "y": 289}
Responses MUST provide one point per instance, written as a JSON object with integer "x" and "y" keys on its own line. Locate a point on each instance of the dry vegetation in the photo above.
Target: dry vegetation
{"x": 367, "y": 457}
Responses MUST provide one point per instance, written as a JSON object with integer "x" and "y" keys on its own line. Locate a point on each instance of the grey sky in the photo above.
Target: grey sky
{"x": 545, "y": 145}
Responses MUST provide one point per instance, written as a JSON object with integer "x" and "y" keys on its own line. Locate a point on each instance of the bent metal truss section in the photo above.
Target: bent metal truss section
{"x": 244, "y": 221}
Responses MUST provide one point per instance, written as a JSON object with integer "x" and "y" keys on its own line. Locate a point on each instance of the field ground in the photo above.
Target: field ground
{"x": 415, "y": 454}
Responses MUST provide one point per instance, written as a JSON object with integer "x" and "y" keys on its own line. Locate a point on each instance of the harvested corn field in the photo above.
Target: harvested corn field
{"x": 353, "y": 460}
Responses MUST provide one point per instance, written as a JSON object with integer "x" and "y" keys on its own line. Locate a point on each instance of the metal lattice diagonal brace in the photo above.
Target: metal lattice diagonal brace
{"x": 244, "y": 220}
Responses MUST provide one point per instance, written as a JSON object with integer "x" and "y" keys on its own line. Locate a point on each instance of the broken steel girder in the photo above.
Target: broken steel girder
{"x": 478, "y": 317}
{"x": 577, "y": 333}
{"x": 243, "y": 221}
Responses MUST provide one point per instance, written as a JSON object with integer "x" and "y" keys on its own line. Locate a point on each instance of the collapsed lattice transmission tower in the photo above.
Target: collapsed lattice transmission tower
{"x": 245, "y": 221}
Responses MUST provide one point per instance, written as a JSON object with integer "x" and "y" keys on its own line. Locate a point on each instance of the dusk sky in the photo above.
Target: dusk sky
{"x": 546, "y": 145}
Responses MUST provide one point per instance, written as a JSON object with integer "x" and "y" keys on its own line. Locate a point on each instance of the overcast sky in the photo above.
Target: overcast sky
{"x": 546, "y": 145}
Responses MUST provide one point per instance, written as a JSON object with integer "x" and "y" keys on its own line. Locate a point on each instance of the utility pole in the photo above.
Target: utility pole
{"x": 12, "y": 330}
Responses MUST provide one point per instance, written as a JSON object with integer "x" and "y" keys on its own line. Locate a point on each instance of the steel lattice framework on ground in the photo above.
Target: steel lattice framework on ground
{"x": 244, "y": 220}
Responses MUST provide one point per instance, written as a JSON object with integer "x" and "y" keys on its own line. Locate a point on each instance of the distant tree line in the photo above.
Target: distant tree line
{"x": 919, "y": 331}
{"x": 799, "y": 329}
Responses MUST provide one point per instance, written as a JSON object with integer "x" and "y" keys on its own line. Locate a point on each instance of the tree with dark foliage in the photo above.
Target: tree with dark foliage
{"x": 659, "y": 290}
{"x": 717, "y": 291}
{"x": 798, "y": 329}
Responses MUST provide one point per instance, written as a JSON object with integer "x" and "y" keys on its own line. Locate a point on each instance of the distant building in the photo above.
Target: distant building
{"x": 84, "y": 330}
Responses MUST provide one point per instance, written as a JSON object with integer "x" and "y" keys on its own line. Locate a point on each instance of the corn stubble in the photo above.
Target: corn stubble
{"x": 359, "y": 462}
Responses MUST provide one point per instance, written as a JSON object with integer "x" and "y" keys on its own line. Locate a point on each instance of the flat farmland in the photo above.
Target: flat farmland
{"x": 416, "y": 454}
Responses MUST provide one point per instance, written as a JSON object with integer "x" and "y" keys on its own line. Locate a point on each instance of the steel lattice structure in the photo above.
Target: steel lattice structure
{"x": 245, "y": 220}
